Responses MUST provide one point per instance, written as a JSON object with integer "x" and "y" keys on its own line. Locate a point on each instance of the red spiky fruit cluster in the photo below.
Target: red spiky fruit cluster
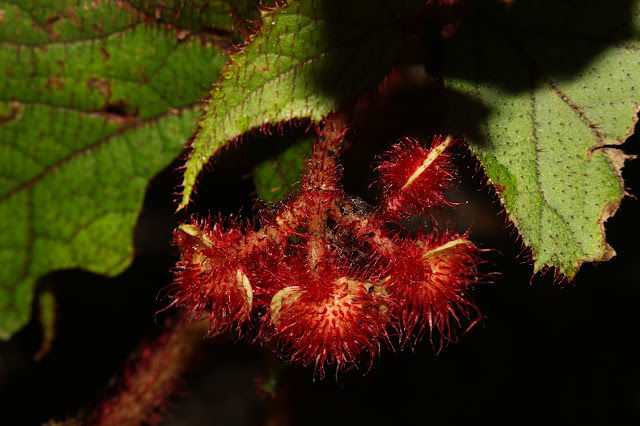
{"x": 327, "y": 277}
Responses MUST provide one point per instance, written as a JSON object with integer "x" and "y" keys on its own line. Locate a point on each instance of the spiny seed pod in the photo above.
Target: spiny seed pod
{"x": 338, "y": 325}
{"x": 415, "y": 178}
{"x": 208, "y": 278}
{"x": 323, "y": 272}
{"x": 435, "y": 290}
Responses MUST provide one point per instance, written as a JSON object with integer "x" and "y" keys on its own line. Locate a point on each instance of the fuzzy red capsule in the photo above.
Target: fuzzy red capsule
{"x": 414, "y": 177}
{"x": 432, "y": 285}
{"x": 208, "y": 278}
{"x": 338, "y": 325}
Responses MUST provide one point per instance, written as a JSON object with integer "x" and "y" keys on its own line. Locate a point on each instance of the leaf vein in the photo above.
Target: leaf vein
{"x": 565, "y": 98}
{"x": 100, "y": 142}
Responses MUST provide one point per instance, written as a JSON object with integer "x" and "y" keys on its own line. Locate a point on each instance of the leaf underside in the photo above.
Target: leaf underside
{"x": 544, "y": 92}
{"x": 95, "y": 99}
{"x": 305, "y": 61}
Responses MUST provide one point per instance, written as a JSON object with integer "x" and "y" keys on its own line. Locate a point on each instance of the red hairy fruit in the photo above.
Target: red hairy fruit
{"x": 337, "y": 325}
{"x": 432, "y": 287}
{"x": 208, "y": 279}
{"x": 324, "y": 276}
{"x": 415, "y": 178}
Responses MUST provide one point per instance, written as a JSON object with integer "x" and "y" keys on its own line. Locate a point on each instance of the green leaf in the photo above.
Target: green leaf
{"x": 274, "y": 177}
{"x": 94, "y": 102}
{"x": 544, "y": 92}
{"x": 306, "y": 60}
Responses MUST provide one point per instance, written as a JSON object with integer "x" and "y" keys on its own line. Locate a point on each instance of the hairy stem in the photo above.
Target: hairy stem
{"x": 149, "y": 380}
